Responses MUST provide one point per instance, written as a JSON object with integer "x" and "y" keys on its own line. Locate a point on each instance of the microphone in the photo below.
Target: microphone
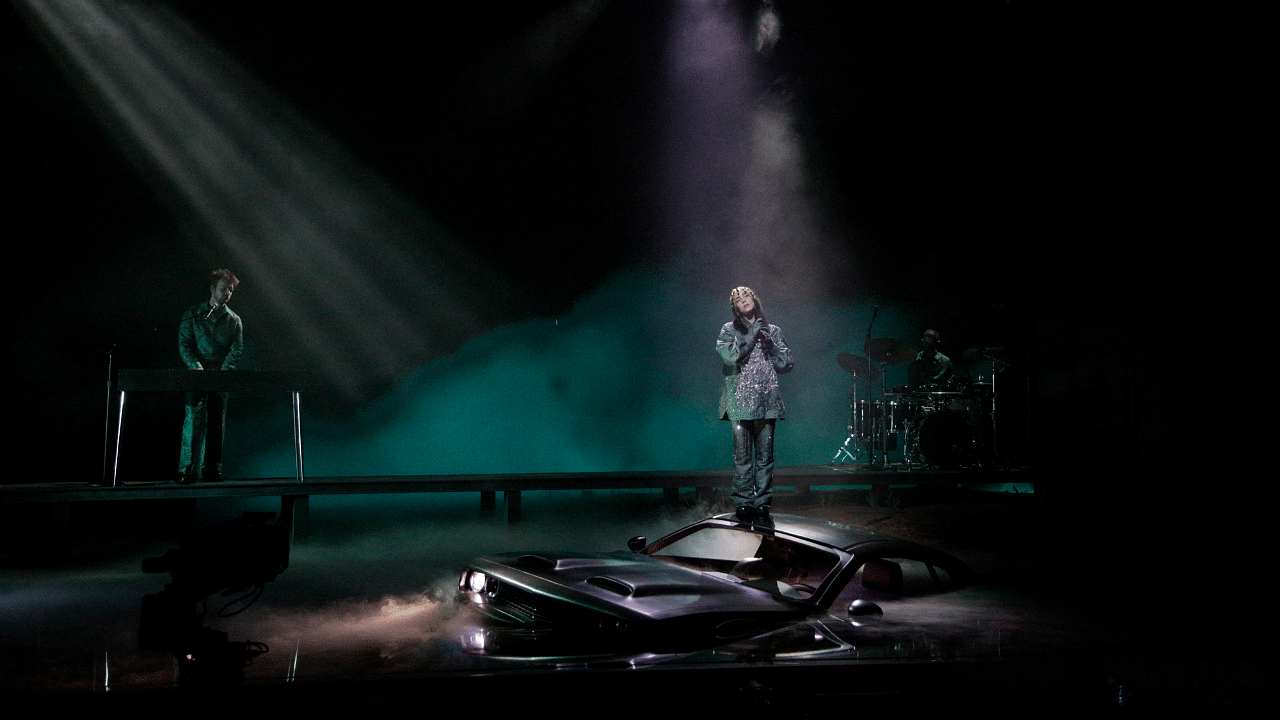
{"x": 765, "y": 337}
{"x": 213, "y": 310}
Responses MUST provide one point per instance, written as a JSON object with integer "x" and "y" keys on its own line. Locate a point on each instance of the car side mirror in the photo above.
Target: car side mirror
{"x": 864, "y": 608}
{"x": 637, "y": 543}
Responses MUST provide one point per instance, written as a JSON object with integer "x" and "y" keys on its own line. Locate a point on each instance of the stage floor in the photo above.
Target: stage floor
{"x": 364, "y": 614}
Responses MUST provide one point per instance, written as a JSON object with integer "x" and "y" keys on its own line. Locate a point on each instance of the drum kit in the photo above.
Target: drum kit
{"x": 949, "y": 426}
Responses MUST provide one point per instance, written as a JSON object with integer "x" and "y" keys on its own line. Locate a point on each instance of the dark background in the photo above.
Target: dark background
{"x": 1028, "y": 172}
{"x": 992, "y": 165}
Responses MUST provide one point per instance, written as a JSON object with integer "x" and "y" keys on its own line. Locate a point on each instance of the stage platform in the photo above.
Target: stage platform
{"x": 294, "y": 495}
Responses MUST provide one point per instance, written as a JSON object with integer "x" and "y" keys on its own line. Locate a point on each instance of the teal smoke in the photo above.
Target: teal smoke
{"x": 627, "y": 380}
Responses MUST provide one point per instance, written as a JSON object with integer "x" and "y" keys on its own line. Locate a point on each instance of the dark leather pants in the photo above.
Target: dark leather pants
{"x": 202, "y": 431}
{"x": 753, "y": 463}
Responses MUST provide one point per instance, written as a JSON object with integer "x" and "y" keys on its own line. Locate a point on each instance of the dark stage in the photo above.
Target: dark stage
{"x": 498, "y": 241}
{"x": 364, "y": 618}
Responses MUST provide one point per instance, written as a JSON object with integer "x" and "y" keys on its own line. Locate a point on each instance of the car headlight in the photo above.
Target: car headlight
{"x": 477, "y": 581}
{"x": 475, "y": 640}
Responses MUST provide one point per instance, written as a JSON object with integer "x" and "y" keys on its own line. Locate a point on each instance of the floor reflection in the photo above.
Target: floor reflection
{"x": 373, "y": 595}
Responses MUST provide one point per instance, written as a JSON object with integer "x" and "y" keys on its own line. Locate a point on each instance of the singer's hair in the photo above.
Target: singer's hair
{"x": 224, "y": 274}
{"x": 740, "y": 322}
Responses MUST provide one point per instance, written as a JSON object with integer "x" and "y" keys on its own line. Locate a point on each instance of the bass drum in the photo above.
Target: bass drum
{"x": 946, "y": 439}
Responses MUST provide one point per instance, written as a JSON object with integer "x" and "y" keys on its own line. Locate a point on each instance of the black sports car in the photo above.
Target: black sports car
{"x": 711, "y": 583}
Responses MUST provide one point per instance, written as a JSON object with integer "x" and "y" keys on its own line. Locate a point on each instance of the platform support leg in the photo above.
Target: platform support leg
{"x": 295, "y": 514}
{"x": 703, "y": 495}
{"x": 512, "y": 500}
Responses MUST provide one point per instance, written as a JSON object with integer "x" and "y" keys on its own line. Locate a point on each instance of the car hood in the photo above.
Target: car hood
{"x": 633, "y": 587}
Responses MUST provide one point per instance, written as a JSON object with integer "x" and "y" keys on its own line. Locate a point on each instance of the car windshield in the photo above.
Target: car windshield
{"x": 766, "y": 562}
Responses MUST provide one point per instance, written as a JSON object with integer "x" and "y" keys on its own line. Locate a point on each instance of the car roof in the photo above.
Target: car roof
{"x": 825, "y": 532}
{"x": 858, "y": 541}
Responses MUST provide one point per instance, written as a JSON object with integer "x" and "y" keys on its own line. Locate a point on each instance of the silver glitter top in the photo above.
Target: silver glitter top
{"x": 751, "y": 370}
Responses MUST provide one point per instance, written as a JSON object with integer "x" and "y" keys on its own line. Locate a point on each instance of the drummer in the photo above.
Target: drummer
{"x": 930, "y": 366}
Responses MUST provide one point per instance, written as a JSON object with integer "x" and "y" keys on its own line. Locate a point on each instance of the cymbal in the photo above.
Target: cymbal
{"x": 891, "y": 351}
{"x": 856, "y": 365}
{"x": 978, "y": 352}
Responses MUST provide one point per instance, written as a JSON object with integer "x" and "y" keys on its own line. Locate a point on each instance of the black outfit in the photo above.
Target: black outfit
{"x": 215, "y": 343}
{"x": 936, "y": 370}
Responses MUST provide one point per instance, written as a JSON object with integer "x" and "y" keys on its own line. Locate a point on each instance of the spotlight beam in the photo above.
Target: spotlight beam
{"x": 338, "y": 254}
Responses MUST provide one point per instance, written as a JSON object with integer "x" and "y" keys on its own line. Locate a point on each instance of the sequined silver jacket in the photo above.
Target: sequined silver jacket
{"x": 752, "y": 365}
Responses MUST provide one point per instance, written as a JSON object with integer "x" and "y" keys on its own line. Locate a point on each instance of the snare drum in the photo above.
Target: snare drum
{"x": 906, "y": 412}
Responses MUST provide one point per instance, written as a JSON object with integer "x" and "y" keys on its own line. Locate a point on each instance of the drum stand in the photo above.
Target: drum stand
{"x": 911, "y": 444}
{"x": 869, "y": 424}
{"x": 868, "y": 420}
{"x": 858, "y": 446}
{"x": 988, "y": 403}
{"x": 878, "y": 419}
{"x": 911, "y": 439}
